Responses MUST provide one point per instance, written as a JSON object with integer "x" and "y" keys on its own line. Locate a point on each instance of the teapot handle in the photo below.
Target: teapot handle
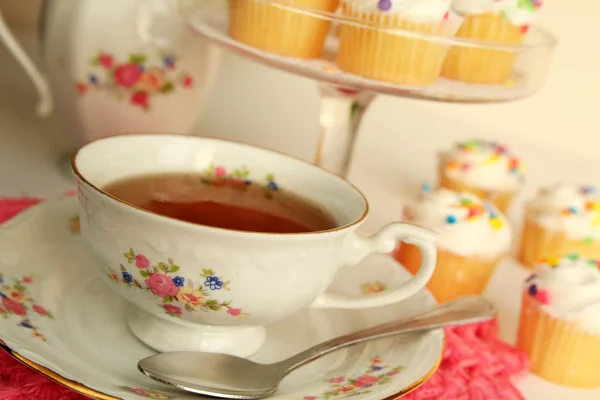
{"x": 44, "y": 105}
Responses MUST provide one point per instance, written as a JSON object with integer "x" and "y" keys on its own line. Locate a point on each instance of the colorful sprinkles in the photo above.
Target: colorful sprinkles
{"x": 499, "y": 153}
{"x": 591, "y": 206}
{"x": 474, "y": 210}
{"x": 543, "y": 296}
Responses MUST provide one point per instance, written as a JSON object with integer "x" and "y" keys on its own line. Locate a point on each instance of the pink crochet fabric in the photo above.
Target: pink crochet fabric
{"x": 476, "y": 364}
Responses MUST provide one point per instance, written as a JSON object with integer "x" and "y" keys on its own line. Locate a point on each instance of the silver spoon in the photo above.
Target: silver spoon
{"x": 230, "y": 377}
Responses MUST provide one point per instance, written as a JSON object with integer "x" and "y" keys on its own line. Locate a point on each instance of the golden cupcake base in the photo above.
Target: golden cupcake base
{"x": 382, "y": 55}
{"x": 477, "y": 64}
{"x": 538, "y": 243}
{"x": 454, "y": 276}
{"x": 558, "y": 350}
{"x": 281, "y": 30}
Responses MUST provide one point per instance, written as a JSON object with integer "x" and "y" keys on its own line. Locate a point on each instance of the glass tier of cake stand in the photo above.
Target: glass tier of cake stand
{"x": 346, "y": 97}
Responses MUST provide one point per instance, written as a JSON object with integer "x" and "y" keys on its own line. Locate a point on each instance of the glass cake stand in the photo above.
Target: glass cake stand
{"x": 345, "y": 97}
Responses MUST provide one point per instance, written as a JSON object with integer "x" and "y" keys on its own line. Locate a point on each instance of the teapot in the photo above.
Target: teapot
{"x": 116, "y": 66}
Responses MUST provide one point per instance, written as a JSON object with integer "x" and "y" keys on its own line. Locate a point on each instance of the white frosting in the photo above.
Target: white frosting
{"x": 517, "y": 12}
{"x": 483, "y": 165}
{"x": 571, "y": 209}
{"x": 412, "y": 10}
{"x": 568, "y": 289}
{"x": 487, "y": 234}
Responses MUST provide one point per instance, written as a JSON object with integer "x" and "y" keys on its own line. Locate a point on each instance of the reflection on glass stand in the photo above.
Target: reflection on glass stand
{"x": 345, "y": 97}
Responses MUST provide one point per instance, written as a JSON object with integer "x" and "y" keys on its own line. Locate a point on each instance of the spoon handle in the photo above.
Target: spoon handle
{"x": 465, "y": 310}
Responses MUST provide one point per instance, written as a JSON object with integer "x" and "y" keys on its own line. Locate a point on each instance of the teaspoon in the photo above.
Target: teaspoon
{"x": 230, "y": 377}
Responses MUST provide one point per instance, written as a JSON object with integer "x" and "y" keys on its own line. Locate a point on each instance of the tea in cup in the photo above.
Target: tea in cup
{"x": 213, "y": 240}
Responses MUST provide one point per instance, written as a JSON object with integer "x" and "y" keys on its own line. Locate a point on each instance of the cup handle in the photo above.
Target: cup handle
{"x": 385, "y": 241}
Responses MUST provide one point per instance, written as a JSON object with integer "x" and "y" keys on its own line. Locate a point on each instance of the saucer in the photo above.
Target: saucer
{"x": 60, "y": 319}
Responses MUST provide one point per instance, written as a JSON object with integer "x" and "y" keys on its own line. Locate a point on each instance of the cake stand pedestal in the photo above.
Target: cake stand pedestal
{"x": 346, "y": 97}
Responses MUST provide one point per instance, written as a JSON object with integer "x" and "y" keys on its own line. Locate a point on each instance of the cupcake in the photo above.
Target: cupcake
{"x": 559, "y": 326}
{"x": 473, "y": 238}
{"x": 561, "y": 219}
{"x": 369, "y": 48}
{"x": 501, "y": 21}
{"x": 487, "y": 169}
{"x": 279, "y": 28}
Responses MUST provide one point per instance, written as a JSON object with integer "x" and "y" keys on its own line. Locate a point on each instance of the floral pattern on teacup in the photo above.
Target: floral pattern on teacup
{"x": 238, "y": 178}
{"x": 134, "y": 78}
{"x": 148, "y": 394}
{"x": 74, "y": 225}
{"x": 341, "y": 387}
{"x": 177, "y": 295}
{"x": 372, "y": 287}
{"x": 16, "y": 301}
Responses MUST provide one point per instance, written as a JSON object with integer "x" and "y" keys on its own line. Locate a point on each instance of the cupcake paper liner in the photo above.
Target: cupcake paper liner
{"x": 381, "y": 55}
{"x": 454, "y": 276}
{"x": 538, "y": 243}
{"x": 558, "y": 350}
{"x": 477, "y": 65}
{"x": 278, "y": 29}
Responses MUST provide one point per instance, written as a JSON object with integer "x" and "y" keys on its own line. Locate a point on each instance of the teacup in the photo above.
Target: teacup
{"x": 203, "y": 288}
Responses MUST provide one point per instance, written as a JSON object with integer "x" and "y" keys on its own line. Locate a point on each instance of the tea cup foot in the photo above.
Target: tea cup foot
{"x": 167, "y": 336}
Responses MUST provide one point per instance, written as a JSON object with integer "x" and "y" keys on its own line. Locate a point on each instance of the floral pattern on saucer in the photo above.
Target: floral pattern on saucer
{"x": 148, "y": 394}
{"x": 134, "y": 78}
{"x": 341, "y": 387}
{"x": 373, "y": 287}
{"x": 75, "y": 224}
{"x": 239, "y": 178}
{"x": 161, "y": 280}
{"x": 17, "y": 302}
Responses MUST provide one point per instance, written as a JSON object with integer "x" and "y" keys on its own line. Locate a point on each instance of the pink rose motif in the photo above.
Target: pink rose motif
{"x": 161, "y": 285}
{"x": 172, "y": 310}
{"x": 139, "y": 392}
{"x": 337, "y": 380}
{"x": 139, "y": 99}
{"x": 27, "y": 279}
{"x": 187, "y": 81}
{"x": 14, "y": 306}
{"x": 366, "y": 381}
{"x": 127, "y": 75}
{"x": 346, "y": 389}
{"x": 220, "y": 172}
{"x": 310, "y": 398}
{"x": 234, "y": 311}
{"x": 141, "y": 261}
{"x": 3, "y": 310}
{"x": 40, "y": 310}
{"x": 543, "y": 297}
{"x": 105, "y": 60}
{"x": 392, "y": 373}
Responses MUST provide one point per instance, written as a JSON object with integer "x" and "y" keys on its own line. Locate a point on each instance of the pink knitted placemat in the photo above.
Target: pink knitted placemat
{"x": 476, "y": 364}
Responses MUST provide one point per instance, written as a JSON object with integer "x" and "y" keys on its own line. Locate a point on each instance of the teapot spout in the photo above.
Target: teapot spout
{"x": 45, "y": 104}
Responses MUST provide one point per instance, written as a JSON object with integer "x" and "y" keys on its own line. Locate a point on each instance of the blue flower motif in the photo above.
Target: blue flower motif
{"x": 127, "y": 277}
{"x": 213, "y": 283}
{"x": 169, "y": 61}
{"x": 178, "y": 281}
{"x": 141, "y": 68}
{"x": 93, "y": 79}
{"x": 272, "y": 185}
{"x": 247, "y": 182}
{"x": 1, "y": 279}
{"x": 376, "y": 368}
{"x": 3, "y": 295}
{"x": 26, "y": 324}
